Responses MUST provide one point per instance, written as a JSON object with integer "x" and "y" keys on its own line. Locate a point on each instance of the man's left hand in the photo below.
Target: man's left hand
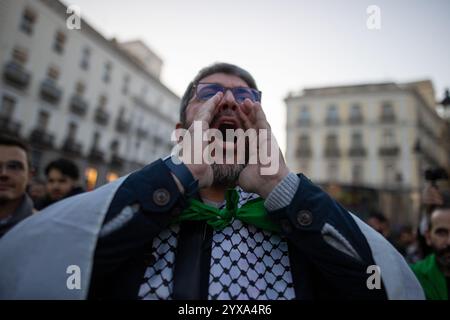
{"x": 256, "y": 177}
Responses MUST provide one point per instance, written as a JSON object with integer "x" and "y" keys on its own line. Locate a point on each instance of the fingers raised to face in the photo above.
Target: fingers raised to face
{"x": 205, "y": 112}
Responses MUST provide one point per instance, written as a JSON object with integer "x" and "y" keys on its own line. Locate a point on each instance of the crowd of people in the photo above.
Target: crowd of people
{"x": 426, "y": 249}
{"x": 21, "y": 194}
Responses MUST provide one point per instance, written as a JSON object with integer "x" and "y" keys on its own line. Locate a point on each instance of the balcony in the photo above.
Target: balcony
{"x": 122, "y": 125}
{"x": 356, "y": 120}
{"x": 389, "y": 151}
{"x": 332, "y": 152}
{"x": 15, "y": 75}
{"x": 72, "y": 147}
{"x": 96, "y": 155}
{"x": 50, "y": 92}
{"x": 10, "y": 127}
{"x": 304, "y": 152}
{"x": 387, "y": 118}
{"x": 78, "y": 105}
{"x": 357, "y": 151}
{"x": 41, "y": 138}
{"x": 101, "y": 117}
{"x": 332, "y": 121}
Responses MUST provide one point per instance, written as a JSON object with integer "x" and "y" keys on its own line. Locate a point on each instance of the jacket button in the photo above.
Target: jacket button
{"x": 286, "y": 226}
{"x": 304, "y": 218}
{"x": 161, "y": 197}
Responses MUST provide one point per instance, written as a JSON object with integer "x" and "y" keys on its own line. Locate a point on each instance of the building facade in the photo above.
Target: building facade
{"x": 74, "y": 93}
{"x": 368, "y": 144}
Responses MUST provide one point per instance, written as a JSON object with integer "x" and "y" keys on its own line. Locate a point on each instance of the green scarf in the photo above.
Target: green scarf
{"x": 252, "y": 212}
{"x": 431, "y": 278}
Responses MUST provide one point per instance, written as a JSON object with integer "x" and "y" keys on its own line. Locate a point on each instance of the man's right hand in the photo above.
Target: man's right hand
{"x": 201, "y": 171}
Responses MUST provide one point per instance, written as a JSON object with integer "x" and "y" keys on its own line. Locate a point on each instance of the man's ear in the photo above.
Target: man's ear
{"x": 178, "y": 125}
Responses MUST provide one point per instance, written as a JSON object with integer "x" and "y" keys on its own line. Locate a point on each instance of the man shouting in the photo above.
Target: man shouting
{"x": 191, "y": 226}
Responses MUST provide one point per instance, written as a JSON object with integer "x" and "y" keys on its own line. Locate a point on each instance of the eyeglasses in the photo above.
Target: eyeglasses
{"x": 205, "y": 91}
{"x": 12, "y": 166}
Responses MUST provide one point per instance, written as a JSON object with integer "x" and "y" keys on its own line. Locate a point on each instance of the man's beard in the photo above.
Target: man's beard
{"x": 226, "y": 174}
{"x": 443, "y": 256}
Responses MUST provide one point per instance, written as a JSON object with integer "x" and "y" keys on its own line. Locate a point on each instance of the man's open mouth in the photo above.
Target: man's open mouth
{"x": 224, "y": 124}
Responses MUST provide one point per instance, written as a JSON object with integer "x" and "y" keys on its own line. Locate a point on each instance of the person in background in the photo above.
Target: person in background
{"x": 37, "y": 190}
{"x": 431, "y": 197}
{"x": 15, "y": 204}
{"x": 406, "y": 244}
{"x": 62, "y": 182}
{"x": 433, "y": 272}
{"x": 379, "y": 222}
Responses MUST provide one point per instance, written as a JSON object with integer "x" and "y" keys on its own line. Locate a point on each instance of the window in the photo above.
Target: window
{"x": 304, "y": 140}
{"x": 20, "y": 55}
{"x": 85, "y": 56}
{"x": 53, "y": 73}
{"x": 389, "y": 173}
{"x": 115, "y": 146}
{"x": 96, "y": 140}
{"x": 305, "y": 116}
{"x": 72, "y": 131}
{"x": 60, "y": 40}
{"x": 331, "y": 141}
{"x": 7, "y": 107}
{"x": 355, "y": 113}
{"x": 332, "y": 115}
{"x": 43, "y": 120}
{"x": 357, "y": 139}
{"x": 387, "y": 112}
{"x": 126, "y": 84}
{"x": 388, "y": 138}
{"x": 107, "y": 72}
{"x": 102, "y": 100}
{"x": 304, "y": 148}
{"x": 28, "y": 20}
{"x": 80, "y": 88}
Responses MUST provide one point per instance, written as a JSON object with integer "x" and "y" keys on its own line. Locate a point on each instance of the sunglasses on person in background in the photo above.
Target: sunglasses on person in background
{"x": 205, "y": 91}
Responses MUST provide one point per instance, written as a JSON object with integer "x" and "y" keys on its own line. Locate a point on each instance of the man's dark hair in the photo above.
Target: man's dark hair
{"x": 65, "y": 166}
{"x": 219, "y": 67}
{"x": 379, "y": 216}
{"x": 444, "y": 206}
{"x": 12, "y": 141}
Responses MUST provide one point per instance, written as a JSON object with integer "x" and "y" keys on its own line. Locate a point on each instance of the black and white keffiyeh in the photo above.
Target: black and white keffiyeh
{"x": 246, "y": 263}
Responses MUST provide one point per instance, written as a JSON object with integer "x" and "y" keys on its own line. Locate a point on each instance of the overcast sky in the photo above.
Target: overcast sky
{"x": 286, "y": 44}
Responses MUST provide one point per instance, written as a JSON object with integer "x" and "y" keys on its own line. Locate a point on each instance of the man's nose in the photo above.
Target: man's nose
{"x": 228, "y": 101}
{"x": 3, "y": 170}
{"x": 3, "y": 173}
